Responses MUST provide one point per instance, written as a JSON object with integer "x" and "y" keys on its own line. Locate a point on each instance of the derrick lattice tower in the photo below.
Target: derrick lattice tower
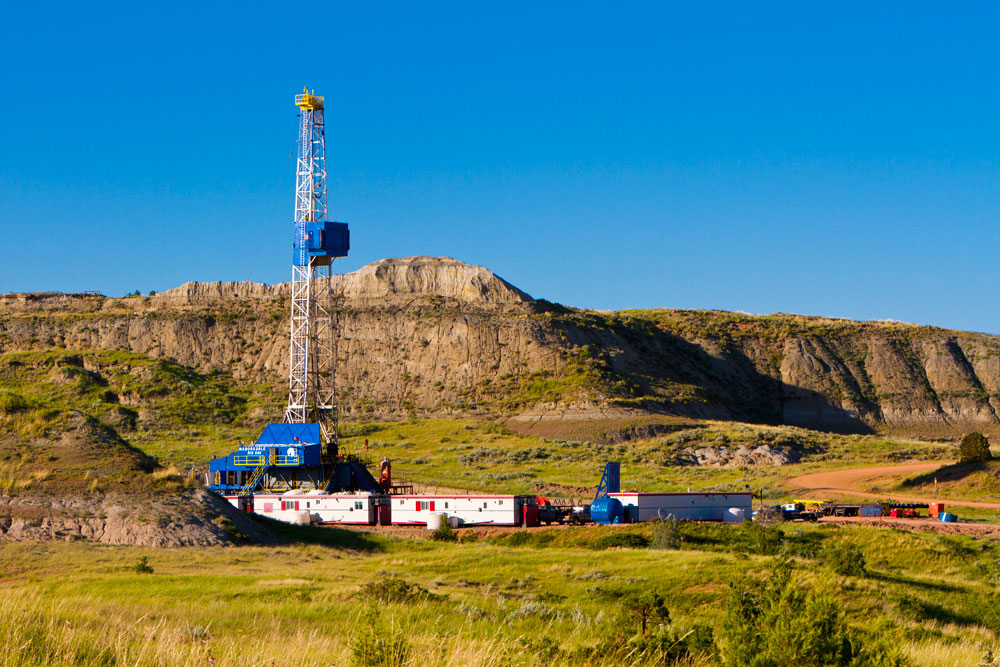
{"x": 312, "y": 395}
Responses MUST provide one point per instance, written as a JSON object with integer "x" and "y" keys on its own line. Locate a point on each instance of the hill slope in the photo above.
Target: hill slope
{"x": 67, "y": 472}
{"x": 427, "y": 335}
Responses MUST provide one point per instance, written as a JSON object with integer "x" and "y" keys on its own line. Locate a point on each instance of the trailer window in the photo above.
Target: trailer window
{"x": 501, "y": 502}
{"x": 358, "y": 504}
{"x": 446, "y": 504}
{"x": 484, "y": 505}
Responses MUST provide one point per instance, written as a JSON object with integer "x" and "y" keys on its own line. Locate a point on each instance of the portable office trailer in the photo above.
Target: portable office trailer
{"x": 682, "y": 506}
{"x": 470, "y": 510}
{"x": 366, "y": 509}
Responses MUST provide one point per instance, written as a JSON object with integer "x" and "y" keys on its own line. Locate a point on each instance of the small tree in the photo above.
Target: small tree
{"x": 645, "y": 606}
{"x": 974, "y": 448}
{"x": 444, "y": 533}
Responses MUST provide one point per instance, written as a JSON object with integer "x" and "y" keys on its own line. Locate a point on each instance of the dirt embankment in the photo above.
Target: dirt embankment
{"x": 185, "y": 519}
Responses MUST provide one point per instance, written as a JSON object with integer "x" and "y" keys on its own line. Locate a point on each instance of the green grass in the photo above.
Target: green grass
{"x": 492, "y": 604}
{"x": 483, "y": 456}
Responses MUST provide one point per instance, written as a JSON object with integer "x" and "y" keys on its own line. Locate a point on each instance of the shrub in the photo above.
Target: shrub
{"x": 518, "y": 539}
{"x": 444, "y": 533}
{"x": 394, "y": 589}
{"x": 627, "y": 540}
{"x": 11, "y": 403}
{"x": 143, "y": 566}
{"x": 844, "y": 559}
{"x": 761, "y": 539}
{"x": 776, "y": 622}
{"x": 534, "y": 609}
{"x": 974, "y": 448}
{"x": 667, "y": 534}
{"x": 375, "y": 645}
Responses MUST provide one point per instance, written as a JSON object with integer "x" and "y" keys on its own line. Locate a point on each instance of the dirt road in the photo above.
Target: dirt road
{"x": 835, "y": 483}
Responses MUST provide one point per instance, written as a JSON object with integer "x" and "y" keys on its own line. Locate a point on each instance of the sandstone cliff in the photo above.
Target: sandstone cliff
{"x": 434, "y": 335}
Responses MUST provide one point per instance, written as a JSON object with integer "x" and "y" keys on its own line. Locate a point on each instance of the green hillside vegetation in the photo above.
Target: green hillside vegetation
{"x": 74, "y": 421}
{"x": 978, "y": 481}
{"x": 485, "y": 456}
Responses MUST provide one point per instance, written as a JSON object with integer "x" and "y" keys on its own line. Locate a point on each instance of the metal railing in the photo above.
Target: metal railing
{"x": 273, "y": 460}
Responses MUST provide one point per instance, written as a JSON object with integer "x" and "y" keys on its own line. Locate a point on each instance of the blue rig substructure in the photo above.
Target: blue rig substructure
{"x": 287, "y": 457}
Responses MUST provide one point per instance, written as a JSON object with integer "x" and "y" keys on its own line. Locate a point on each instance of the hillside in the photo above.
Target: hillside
{"x": 69, "y": 465}
{"x": 434, "y": 336}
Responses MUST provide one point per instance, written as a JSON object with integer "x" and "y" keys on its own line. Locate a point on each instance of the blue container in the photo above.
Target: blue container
{"x": 606, "y": 510}
{"x": 946, "y": 517}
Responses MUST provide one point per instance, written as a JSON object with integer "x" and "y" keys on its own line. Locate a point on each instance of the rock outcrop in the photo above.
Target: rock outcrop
{"x": 434, "y": 335}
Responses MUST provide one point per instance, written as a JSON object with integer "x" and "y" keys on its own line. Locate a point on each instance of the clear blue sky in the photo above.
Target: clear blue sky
{"x": 822, "y": 158}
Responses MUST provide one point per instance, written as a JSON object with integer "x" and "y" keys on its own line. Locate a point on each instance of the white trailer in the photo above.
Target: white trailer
{"x": 471, "y": 510}
{"x": 361, "y": 508}
{"x": 682, "y": 506}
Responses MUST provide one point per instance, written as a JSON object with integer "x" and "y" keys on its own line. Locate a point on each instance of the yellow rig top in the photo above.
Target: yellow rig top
{"x": 307, "y": 101}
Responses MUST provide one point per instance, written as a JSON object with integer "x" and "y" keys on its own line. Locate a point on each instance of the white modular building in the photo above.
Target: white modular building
{"x": 682, "y": 506}
{"x": 505, "y": 510}
{"x": 315, "y": 506}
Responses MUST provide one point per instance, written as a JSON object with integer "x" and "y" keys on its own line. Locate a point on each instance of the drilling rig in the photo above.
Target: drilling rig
{"x": 312, "y": 395}
{"x": 303, "y": 452}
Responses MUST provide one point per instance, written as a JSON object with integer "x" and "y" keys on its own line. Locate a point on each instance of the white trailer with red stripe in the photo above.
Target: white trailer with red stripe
{"x": 500, "y": 510}
{"x": 299, "y": 506}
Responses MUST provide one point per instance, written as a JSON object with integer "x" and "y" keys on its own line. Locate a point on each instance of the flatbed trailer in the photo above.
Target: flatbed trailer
{"x": 869, "y": 509}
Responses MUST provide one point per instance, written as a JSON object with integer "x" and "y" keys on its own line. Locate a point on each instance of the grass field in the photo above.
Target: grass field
{"x": 548, "y": 600}
{"x": 548, "y": 597}
{"x": 483, "y": 456}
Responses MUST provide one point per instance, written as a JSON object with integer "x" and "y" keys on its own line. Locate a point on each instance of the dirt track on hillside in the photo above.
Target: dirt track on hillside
{"x": 834, "y": 483}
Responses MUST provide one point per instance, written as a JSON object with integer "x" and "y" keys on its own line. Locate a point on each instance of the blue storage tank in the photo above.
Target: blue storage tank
{"x": 606, "y": 510}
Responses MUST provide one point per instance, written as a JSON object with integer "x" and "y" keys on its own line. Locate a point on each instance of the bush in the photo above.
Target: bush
{"x": 845, "y": 559}
{"x": 11, "y": 403}
{"x": 760, "y": 539}
{"x": 143, "y": 566}
{"x": 775, "y": 623}
{"x": 374, "y": 645}
{"x": 394, "y": 589}
{"x": 667, "y": 534}
{"x": 626, "y": 540}
{"x": 444, "y": 533}
{"x": 974, "y": 448}
{"x": 518, "y": 539}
